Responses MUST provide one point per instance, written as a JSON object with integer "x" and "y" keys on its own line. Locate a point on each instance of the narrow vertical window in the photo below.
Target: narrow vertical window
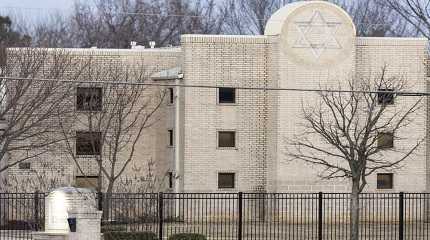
{"x": 171, "y": 95}
{"x": 170, "y": 137}
{"x": 170, "y": 179}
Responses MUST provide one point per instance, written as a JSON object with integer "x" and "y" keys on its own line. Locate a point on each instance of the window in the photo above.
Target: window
{"x": 89, "y": 99}
{"x": 170, "y": 137}
{"x": 226, "y": 180}
{"x": 385, "y": 140}
{"x": 90, "y": 182}
{"x": 24, "y": 165}
{"x": 171, "y": 96}
{"x": 88, "y": 143}
{"x": 384, "y": 181}
{"x": 170, "y": 179}
{"x": 385, "y": 96}
{"x": 226, "y": 95}
{"x": 226, "y": 139}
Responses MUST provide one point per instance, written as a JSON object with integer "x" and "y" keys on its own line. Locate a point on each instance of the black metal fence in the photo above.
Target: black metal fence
{"x": 21, "y": 214}
{"x": 239, "y": 215}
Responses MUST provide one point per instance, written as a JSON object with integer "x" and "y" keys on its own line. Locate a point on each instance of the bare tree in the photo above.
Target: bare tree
{"x": 373, "y": 19}
{"x": 415, "y": 12}
{"x": 113, "y": 24}
{"x": 27, "y": 106}
{"x": 111, "y": 123}
{"x": 344, "y": 134}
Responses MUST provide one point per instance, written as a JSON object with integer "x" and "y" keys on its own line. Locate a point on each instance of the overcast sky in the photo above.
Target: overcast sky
{"x": 61, "y": 4}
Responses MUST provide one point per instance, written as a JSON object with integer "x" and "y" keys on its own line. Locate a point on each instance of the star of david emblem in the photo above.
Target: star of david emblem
{"x": 317, "y": 34}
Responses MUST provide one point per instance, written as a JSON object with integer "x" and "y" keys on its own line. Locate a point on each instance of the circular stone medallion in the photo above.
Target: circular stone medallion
{"x": 318, "y": 34}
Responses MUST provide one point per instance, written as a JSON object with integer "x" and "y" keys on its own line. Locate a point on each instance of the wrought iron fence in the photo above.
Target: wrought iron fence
{"x": 21, "y": 214}
{"x": 238, "y": 215}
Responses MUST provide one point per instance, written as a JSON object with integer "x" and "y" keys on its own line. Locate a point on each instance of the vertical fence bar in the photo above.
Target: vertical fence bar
{"x": 401, "y": 214}
{"x": 240, "y": 215}
{"x": 320, "y": 215}
{"x": 100, "y": 200}
{"x": 160, "y": 215}
{"x": 36, "y": 211}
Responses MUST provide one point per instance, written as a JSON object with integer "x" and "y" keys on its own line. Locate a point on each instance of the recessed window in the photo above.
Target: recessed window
{"x": 385, "y": 140}
{"x": 89, "y": 99}
{"x": 385, "y": 96}
{"x": 171, "y": 95}
{"x": 24, "y": 165}
{"x": 226, "y": 139}
{"x": 88, "y": 143}
{"x": 90, "y": 182}
{"x": 226, "y": 180}
{"x": 170, "y": 131}
{"x": 384, "y": 181}
{"x": 170, "y": 179}
{"x": 226, "y": 95}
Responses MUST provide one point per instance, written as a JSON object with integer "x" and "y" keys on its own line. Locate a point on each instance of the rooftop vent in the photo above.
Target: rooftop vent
{"x": 152, "y": 44}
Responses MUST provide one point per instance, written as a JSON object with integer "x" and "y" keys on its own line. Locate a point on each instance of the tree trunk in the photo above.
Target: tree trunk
{"x": 107, "y": 212}
{"x": 355, "y": 210}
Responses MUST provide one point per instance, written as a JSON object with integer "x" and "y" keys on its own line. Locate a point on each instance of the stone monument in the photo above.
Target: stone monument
{"x": 71, "y": 214}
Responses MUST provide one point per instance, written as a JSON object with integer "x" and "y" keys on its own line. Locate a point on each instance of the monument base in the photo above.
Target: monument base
{"x": 50, "y": 236}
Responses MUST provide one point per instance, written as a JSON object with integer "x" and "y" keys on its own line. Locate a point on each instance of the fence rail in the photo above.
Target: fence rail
{"x": 240, "y": 216}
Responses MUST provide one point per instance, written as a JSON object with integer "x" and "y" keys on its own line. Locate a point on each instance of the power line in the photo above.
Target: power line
{"x": 399, "y": 93}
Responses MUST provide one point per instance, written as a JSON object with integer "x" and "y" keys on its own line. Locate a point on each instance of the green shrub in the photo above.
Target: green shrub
{"x": 187, "y": 236}
{"x": 113, "y": 228}
{"x": 130, "y": 236}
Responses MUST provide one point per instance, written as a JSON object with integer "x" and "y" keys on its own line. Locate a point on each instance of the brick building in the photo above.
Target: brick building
{"x": 229, "y": 139}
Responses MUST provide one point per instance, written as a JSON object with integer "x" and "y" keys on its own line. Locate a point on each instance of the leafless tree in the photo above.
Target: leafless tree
{"x": 344, "y": 134}
{"x": 373, "y": 19}
{"x": 113, "y": 24}
{"x": 27, "y": 106}
{"x": 415, "y": 12}
{"x": 112, "y": 121}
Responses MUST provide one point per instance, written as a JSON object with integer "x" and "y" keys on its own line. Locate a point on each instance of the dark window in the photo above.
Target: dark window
{"x": 385, "y": 140}
{"x": 170, "y": 137}
{"x": 226, "y": 139}
{"x": 88, "y": 143}
{"x": 90, "y": 182}
{"x": 384, "y": 181}
{"x": 24, "y": 165}
{"x": 226, "y": 95}
{"x": 89, "y": 99}
{"x": 226, "y": 180}
{"x": 171, "y": 95}
{"x": 385, "y": 96}
{"x": 170, "y": 179}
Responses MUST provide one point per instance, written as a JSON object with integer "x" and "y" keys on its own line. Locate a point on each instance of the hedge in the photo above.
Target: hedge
{"x": 187, "y": 236}
{"x": 130, "y": 236}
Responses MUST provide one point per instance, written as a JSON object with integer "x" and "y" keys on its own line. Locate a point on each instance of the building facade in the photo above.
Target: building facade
{"x": 225, "y": 132}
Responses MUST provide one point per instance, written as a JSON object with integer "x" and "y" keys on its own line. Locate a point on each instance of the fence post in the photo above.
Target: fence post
{"x": 320, "y": 215}
{"x": 100, "y": 200}
{"x": 239, "y": 224}
{"x": 401, "y": 214}
{"x": 160, "y": 215}
{"x": 36, "y": 210}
